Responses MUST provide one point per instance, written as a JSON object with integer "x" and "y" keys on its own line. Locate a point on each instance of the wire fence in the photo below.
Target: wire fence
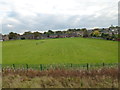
{"x": 57, "y": 66}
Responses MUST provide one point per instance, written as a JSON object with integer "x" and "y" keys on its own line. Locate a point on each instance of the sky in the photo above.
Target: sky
{"x": 42, "y": 15}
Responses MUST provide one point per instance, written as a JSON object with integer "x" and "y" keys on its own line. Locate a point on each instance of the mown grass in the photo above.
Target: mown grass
{"x": 63, "y": 50}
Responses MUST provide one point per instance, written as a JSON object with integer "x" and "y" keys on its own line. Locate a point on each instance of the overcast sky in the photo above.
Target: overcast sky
{"x": 41, "y": 15}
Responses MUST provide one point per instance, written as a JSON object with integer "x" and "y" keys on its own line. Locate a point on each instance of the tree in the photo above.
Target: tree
{"x": 58, "y": 32}
{"x": 85, "y": 33}
{"x": 36, "y": 35}
{"x": 64, "y": 32}
{"x": 45, "y": 33}
{"x": 50, "y": 32}
{"x": 78, "y": 29}
{"x": 96, "y": 33}
{"x": 27, "y": 33}
{"x": 71, "y": 30}
{"x": 113, "y": 36}
{"x": 12, "y": 35}
{"x": 22, "y": 38}
{"x": 111, "y": 27}
{"x": 105, "y": 36}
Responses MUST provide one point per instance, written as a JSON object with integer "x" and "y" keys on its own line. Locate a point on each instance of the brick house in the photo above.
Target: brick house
{"x": 5, "y": 37}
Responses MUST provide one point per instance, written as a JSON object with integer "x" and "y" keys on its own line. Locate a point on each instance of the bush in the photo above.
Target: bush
{"x": 23, "y": 38}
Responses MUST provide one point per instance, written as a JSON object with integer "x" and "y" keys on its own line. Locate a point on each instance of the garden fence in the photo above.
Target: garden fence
{"x": 57, "y": 66}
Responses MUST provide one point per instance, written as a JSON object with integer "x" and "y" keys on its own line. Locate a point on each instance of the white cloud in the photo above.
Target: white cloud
{"x": 9, "y": 26}
{"x": 57, "y": 14}
{"x": 80, "y": 7}
{"x": 12, "y": 20}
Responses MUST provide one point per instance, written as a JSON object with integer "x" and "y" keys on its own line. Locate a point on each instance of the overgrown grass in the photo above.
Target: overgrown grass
{"x": 98, "y": 78}
{"x": 63, "y": 50}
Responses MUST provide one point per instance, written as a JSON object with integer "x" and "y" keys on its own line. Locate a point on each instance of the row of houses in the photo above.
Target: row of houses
{"x": 62, "y": 35}
{"x": 44, "y": 36}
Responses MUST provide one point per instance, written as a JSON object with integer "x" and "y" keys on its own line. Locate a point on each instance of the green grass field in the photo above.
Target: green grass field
{"x": 63, "y": 50}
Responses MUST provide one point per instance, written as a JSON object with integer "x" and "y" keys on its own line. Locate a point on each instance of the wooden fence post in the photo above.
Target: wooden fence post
{"x": 103, "y": 64}
{"x": 41, "y": 68}
{"x": 87, "y": 66}
{"x": 27, "y": 66}
{"x": 71, "y": 65}
{"x": 14, "y": 66}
